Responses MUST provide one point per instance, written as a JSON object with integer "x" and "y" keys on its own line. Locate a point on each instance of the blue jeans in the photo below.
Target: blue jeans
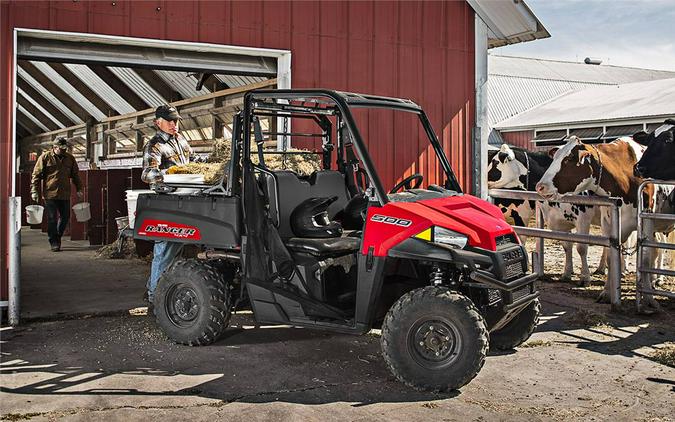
{"x": 163, "y": 255}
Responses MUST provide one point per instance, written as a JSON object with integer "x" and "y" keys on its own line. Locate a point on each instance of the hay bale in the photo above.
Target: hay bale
{"x": 213, "y": 169}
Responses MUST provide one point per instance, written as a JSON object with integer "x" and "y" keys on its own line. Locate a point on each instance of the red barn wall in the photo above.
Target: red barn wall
{"x": 420, "y": 50}
{"x": 522, "y": 139}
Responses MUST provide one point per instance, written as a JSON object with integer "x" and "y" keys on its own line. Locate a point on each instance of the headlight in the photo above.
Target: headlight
{"x": 443, "y": 236}
{"x": 449, "y": 237}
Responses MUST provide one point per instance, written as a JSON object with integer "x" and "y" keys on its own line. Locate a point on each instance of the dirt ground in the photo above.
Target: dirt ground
{"x": 583, "y": 363}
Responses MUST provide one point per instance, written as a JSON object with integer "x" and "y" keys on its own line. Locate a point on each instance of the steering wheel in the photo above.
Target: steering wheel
{"x": 408, "y": 183}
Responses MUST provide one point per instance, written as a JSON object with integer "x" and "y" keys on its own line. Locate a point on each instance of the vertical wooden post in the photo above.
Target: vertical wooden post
{"x": 216, "y": 124}
{"x": 139, "y": 134}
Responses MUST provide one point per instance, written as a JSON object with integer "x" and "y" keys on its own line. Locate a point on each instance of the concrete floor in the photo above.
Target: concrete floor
{"x": 73, "y": 282}
{"x": 122, "y": 368}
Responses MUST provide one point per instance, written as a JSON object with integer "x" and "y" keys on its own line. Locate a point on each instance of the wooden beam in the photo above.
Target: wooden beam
{"x": 44, "y": 102}
{"x": 35, "y": 112}
{"x": 27, "y": 123}
{"x": 194, "y": 100}
{"x": 90, "y": 136}
{"x": 84, "y": 89}
{"x": 118, "y": 85}
{"x": 55, "y": 90}
{"x": 165, "y": 90}
{"x": 139, "y": 134}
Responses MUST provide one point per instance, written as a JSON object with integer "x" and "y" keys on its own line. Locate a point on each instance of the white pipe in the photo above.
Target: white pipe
{"x": 481, "y": 129}
{"x": 14, "y": 293}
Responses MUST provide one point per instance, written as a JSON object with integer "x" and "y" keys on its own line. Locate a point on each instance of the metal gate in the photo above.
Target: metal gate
{"x": 645, "y": 231}
{"x": 613, "y": 242}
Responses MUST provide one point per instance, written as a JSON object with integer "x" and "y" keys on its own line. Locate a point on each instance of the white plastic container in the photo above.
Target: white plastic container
{"x": 132, "y": 198}
{"x": 34, "y": 213}
{"x": 184, "y": 178}
{"x": 82, "y": 212}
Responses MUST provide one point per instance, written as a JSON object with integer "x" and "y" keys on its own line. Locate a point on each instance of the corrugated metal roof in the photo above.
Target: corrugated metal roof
{"x": 517, "y": 84}
{"x": 48, "y": 95}
{"x": 508, "y": 22}
{"x": 508, "y": 96}
{"x": 31, "y": 117}
{"x": 69, "y": 89}
{"x": 139, "y": 86}
{"x": 651, "y": 99}
{"x": 183, "y": 82}
{"x": 234, "y": 81}
{"x": 556, "y": 70}
{"x": 39, "y": 107}
{"x": 105, "y": 91}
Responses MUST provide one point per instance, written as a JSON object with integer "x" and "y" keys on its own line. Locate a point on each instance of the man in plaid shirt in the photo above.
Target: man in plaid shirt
{"x": 167, "y": 148}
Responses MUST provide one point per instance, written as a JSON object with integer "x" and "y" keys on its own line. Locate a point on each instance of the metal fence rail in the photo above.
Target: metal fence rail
{"x": 612, "y": 242}
{"x": 645, "y": 230}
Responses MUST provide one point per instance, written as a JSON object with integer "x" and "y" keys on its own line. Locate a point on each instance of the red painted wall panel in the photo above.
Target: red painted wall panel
{"x": 522, "y": 139}
{"x": 420, "y": 50}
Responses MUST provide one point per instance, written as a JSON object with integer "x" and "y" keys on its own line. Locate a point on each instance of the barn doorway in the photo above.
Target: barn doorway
{"x": 100, "y": 92}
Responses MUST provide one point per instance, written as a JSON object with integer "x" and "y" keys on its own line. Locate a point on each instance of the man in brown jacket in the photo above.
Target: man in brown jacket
{"x": 55, "y": 168}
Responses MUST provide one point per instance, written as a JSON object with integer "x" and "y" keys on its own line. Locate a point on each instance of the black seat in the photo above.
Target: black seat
{"x": 325, "y": 248}
{"x": 286, "y": 191}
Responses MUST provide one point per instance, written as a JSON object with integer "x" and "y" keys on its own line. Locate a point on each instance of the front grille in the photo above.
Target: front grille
{"x": 522, "y": 292}
{"x": 506, "y": 239}
{"x": 512, "y": 255}
{"x": 513, "y": 270}
{"x": 494, "y": 296}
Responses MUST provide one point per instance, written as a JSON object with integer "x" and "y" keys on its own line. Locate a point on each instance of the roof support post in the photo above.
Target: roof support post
{"x": 481, "y": 130}
{"x": 110, "y": 143}
{"x": 216, "y": 124}
{"x": 90, "y": 136}
{"x": 139, "y": 134}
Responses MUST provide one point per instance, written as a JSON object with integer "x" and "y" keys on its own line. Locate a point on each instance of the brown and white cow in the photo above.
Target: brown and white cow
{"x": 606, "y": 170}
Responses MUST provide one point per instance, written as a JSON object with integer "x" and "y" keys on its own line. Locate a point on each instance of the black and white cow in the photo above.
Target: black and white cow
{"x": 520, "y": 169}
{"x": 658, "y": 160}
{"x": 605, "y": 169}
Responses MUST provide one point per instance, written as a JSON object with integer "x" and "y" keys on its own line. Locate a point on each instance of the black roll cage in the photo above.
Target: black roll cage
{"x": 343, "y": 101}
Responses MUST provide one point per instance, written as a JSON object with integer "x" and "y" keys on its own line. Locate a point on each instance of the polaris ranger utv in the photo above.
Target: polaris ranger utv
{"x": 440, "y": 270}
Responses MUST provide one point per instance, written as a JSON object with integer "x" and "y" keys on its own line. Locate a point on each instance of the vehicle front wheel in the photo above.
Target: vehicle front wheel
{"x": 519, "y": 329}
{"x": 434, "y": 339}
{"x": 193, "y": 303}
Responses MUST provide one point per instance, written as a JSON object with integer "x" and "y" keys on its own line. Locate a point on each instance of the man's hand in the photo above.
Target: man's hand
{"x": 80, "y": 195}
{"x": 35, "y": 197}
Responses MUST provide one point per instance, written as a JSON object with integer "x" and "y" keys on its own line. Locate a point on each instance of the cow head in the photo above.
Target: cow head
{"x": 657, "y": 160}
{"x": 505, "y": 171}
{"x": 574, "y": 169}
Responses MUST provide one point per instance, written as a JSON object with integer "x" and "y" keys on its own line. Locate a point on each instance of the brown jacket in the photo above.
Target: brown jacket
{"x": 56, "y": 171}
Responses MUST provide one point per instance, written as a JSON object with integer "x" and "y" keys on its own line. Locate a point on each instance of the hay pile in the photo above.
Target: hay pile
{"x": 302, "y": 164}
{"x": 119, "y": 249}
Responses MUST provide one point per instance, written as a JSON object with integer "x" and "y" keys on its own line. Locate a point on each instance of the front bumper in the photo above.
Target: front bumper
{"x": 504, "y": 270}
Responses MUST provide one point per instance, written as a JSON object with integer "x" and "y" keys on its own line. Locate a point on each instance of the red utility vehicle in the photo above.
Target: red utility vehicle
{"x": 440, "y": 271}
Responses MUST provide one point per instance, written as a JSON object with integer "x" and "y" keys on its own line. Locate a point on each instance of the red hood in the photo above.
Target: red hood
{"x": 479, "y": 220}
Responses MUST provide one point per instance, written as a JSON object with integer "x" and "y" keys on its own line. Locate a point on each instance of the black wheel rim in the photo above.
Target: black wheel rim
{"x": 182, "y": 305}
{"x": 434, "y": 342}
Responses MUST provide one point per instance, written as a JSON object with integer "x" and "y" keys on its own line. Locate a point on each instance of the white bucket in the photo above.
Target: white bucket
{"x": 82, "y": 212}
{"x": 132, "y": 198}
{"x": 34, "y": 214}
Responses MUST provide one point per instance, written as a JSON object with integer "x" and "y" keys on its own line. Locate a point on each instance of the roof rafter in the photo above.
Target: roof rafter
{"x": 151, "y": 78}
{"x": 123, "y": 89}
{"x": 35, "y": 112}
{"x": 55, "y": 90}
{"x": 83, "y": 89}
{"x": 44, "y": 102}
{"x": 27, "y": 124}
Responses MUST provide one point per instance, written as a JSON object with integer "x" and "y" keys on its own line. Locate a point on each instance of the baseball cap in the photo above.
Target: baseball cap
{"x": 167, "y": 112}
{"x": 61, "y": 143}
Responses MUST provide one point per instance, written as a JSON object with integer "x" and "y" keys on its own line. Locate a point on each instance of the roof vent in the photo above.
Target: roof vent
{"x": 590, "y": 60}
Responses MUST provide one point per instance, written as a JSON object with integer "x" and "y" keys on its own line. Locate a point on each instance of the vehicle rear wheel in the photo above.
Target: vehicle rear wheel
{"x": 434, "y": 339}
{"x": 518, "y": 330}
{"x": 193, "y": 303}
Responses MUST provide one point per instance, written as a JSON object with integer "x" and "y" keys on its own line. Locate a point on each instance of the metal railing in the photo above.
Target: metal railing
{"x": 613, "y": 242}
{"x": 645, "y": 232}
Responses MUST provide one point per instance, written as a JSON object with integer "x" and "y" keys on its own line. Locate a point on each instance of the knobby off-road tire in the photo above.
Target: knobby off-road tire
{"x": 193, "y": 303}
{"x": 518, "y": 329}
{"x": 434, "y": 339}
